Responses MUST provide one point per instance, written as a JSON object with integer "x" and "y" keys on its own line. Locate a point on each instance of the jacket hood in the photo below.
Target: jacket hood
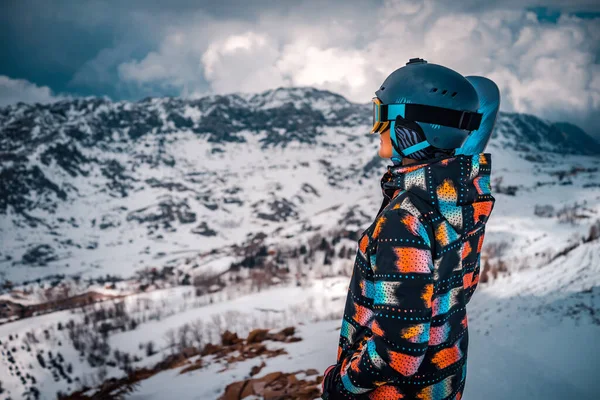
{"x": 457, "y": 186}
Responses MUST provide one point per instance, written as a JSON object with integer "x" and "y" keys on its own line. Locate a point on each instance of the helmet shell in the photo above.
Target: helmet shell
{"x": 419, "y": 82}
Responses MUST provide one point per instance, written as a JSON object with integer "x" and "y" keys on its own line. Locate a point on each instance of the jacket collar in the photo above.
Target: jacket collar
{"x": 391, "y": 182}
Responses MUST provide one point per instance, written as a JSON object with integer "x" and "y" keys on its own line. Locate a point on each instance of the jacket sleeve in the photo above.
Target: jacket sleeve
{"x": 471, "y": 279}
{"x": 403, "y": 289}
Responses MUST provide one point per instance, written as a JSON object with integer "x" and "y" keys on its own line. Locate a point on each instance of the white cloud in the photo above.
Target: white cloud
{"x": 18, "y": 90}
{"x": 335, "y": 68}
{"x": 242, "y": 63}
{"x": 170, "y": 65}
{"x": 547, "y": 69}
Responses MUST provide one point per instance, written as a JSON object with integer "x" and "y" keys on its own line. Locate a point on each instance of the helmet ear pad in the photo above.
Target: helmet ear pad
{"x": 412, "y": 125}
{"x": 403, "y": 140}
{"x": 400, "y": 141}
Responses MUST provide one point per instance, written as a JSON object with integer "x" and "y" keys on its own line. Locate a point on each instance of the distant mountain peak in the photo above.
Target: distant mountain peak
{"x": 530, "y": 133}
{"x": 575, "y": 134}
{"x": 299, "y": 95}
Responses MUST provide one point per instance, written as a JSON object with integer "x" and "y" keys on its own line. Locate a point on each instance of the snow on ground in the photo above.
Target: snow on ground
{"x": 496, "y": 370}
{"x": 274, "y": 308}
{"x": 110, "y": 242}
{"x": 317, "y": 349}
{"x": 533, "y": 240}
{"x": 529, "y": 337}
{"x": 278, "y": 307}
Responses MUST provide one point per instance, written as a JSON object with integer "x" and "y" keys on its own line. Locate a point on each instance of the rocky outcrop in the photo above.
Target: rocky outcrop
{"x": 277, "y": 386}
{"x": 231, "y": 350}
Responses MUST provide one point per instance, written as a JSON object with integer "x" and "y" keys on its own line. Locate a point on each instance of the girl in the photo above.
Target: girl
{"x": 404, "y": 331}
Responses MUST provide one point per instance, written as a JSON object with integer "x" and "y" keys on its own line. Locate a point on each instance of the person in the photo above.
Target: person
{"x": 404, "y": 332}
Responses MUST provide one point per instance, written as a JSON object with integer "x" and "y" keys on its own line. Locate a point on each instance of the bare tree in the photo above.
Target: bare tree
{"x": 197, "y": 332}
{"x": 232, "y": 320}
{"x": 184, "y": 336}
{"x": 171, "y": 339}
{"x": 218, "y": 325}
{"x": 102, "y": 374}
{"x": 150, "y": 350}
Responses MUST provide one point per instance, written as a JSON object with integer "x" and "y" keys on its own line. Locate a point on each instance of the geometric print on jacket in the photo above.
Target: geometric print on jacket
{"x": 404, "y": 331}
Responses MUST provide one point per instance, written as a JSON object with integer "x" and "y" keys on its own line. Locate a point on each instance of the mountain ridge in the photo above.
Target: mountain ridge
{"x": 147, "y": 177}
{"x": 298, "y": 111}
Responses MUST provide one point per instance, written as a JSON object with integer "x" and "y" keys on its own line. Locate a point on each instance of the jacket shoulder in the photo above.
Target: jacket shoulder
{"x": 408, "y": 202}
{"x": 407, "y": 215}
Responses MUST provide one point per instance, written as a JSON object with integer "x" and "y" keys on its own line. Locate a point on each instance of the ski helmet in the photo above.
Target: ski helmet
{"x": 431, "y": 99}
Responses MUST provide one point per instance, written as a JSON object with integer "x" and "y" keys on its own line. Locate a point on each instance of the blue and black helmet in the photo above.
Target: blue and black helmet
{"x": 436, "y": 101}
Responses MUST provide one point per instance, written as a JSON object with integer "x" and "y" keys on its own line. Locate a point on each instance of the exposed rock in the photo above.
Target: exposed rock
{"x": 196, "y": 365}
{"x": 289, "y": 331}
{"x": 168, "y": 210}
{"x": 233, "y": 200}
{"x": 210, "y": 348}
{"x": 276, "y": 210}
{"x": 39, "y": 255}
{"x": 10, "y": 309}
{"x": 257, "y": 368}
{"x": 228, "y": 338}
{"x": 171, "y": 186}
{"x": 308, "y": 188}
{"x": 66, "y": 156}
{"x": 26, "y": 188}
{"x": 257, "y": 335}
{"x": 275, "y": 386}
{"x": 190, "y": 351}
{"x": 109, "y": 221}
{"x": 203, "y": 229}
{"x": 119, "y": 182}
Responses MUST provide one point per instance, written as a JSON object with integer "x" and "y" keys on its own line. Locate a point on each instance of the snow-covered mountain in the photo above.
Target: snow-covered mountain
{"x": 96, "y": 187}
{"x": 257, "y": 199}
{"x": 93, "y": 187}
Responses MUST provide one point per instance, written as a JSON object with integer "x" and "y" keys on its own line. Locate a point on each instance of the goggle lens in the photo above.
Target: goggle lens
{"x": 379, "y": 126}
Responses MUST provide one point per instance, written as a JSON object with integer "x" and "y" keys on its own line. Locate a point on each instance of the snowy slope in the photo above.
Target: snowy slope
{"x": 525, "y": 342}
{"x": 518, "y": 327}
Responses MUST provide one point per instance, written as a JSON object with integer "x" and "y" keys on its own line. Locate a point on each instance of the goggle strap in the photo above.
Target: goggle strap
{"x": 389, "y": 112}
{"x": 395, "y": 146}
{"x": 466, "y": 120}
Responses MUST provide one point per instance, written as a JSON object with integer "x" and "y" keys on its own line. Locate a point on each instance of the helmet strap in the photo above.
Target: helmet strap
{"x": 396, "y": 156}
{"x": 415, "y": 147}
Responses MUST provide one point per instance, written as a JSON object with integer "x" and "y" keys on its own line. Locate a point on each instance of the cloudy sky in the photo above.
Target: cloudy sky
{"x": 544, "y": 55}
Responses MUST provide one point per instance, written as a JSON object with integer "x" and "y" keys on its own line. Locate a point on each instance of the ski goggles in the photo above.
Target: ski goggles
{"x": 383, "y": 114}
{"x": 379, "y": 124}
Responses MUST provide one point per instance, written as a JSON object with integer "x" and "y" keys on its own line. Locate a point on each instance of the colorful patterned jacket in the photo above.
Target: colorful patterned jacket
{"x": 404, "y": 331}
